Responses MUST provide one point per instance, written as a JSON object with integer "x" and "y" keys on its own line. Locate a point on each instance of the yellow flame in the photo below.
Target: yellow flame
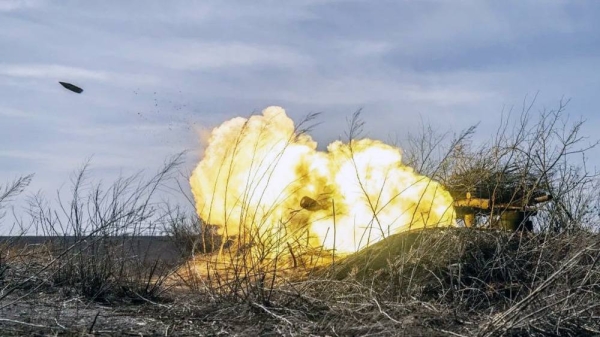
{"x": 260, "y": 178}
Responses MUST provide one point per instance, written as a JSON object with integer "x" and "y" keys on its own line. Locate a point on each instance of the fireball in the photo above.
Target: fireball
{"x": 262, "y": 180}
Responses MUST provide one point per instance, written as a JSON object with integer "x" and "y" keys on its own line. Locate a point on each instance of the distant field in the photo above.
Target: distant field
{"x": 156, "y": 247}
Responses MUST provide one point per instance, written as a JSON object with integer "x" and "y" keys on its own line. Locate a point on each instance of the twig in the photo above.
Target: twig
{"x": 23, "y": 323}
{"x": 450, "y": 333}
{"x": 281, "y": 318}
{"x": 151, "y": 302}
{"x": 60, "y": 325}
{"x": 385, "y": 313}
{"x": 91, "y": 329}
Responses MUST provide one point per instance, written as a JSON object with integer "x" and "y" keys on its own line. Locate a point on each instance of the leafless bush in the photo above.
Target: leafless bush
{"x": 7, "y": 193}
{"x": 96, "y": 237}
{"x": 529, "y": 155}
{"x": 190, "y": 234}
{"x": 11, "y": 190}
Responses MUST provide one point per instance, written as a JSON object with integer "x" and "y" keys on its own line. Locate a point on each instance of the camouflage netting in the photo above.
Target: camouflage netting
{"x": 506, "y": 186}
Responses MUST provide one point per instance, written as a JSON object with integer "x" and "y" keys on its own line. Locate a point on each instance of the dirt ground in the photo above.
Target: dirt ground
{"x": 52, "y": 312}
{"x": 439, "y": 283}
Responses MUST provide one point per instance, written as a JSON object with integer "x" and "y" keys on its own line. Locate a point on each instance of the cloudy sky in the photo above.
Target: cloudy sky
{"x": 157, "y": 72}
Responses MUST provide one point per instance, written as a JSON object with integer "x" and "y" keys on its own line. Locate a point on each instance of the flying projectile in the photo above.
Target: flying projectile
{"x": 71, "y": 87}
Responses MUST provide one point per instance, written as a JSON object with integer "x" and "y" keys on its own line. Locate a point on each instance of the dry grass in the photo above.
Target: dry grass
{"x": 435, "y": 282}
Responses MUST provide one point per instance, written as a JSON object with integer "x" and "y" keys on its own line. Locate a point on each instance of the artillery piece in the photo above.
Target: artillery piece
{"x": 505, "y": 200}
{"x": 513, "y": 215}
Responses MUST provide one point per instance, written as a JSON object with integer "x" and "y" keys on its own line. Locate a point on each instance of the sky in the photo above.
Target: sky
{"x": 157, "y": 74}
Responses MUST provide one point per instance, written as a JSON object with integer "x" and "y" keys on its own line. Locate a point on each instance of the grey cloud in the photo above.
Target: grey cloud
{"x": 55, "y": 71}
{"x": 190, "y": 55}
{"x": 13, "y": 5}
